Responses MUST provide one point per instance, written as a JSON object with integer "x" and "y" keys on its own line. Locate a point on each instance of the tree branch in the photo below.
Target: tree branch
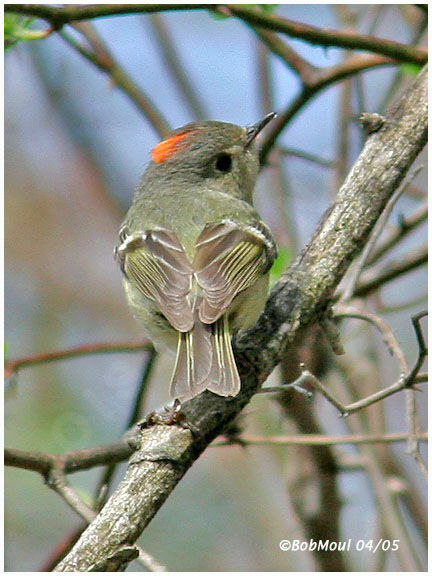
{"x": 298, "y": 299}
{"x": 405, "y": 225}
{"x": 376, "y": 233}
{"x": 58, "y": 16}
{"x": 12, "y": 366}
{"x": 105, "y": 61}
{"x": 373, "y": 278}
{"x": 317, "y": 81}
{"x": 72, "y": 461}
{"x": 327, "y": 36}
{"x": 320, "y": 439}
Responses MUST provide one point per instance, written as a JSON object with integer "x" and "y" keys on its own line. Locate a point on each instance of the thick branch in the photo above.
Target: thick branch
{"x": 298, "y": 300}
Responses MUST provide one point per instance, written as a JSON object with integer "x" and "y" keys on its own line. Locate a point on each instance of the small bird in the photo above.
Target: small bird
{"x": 194, "y": 252}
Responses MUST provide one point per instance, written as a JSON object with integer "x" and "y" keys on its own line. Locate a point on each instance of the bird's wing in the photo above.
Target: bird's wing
{"x": 228, "y": 260}
{"x": 156, "y": 263}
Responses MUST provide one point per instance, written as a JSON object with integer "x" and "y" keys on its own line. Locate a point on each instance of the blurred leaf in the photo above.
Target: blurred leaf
{"x": 219, "y": 15}
{"x": 267, "y": 7}
{"x": 263, "y": 7}
{"x": 410, "y": 69}
{"x": 280, "y": 264}
{"x": 85, "y": 496}
{"x": 17, "y": 28}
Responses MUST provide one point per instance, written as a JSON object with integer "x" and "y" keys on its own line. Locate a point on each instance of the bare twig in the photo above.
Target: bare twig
{"x": 327, "y": 36}
{"x": 405, "y": 225}
{"x": 395, "y": 350}
{"x": 413, "y": 425}
{"x": 372, "y": 279}
{"x": 54, "y": 467}
{"x": 321, "y": 439}
{"x": 62, "y": 548}
{"x": 400, "y": 74}
{"x": 343, "y": 311}
{"x": 306, "y": 156}
{"x": 13, "y": 366}
{"x": 105, "y": 481}
{"x": 56, "y": 479}
{"x": 104, "y": 60}
{"x": 72, "y": 461}
{"x": 413, "y": 429}
{"x": 405, "y": 381}
{"x": 376, "y": 233}
{"x": 378, "y": 471}
{"x": 410, "y": 304}
{"x": 176, "y": 67}
{"x": 322, "y": 78}
{"x": 304, "y": 70}
{"x": 344, "y": 112}
{"x": 59, "y": 16}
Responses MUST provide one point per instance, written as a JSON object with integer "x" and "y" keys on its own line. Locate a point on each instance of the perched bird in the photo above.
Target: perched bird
{"x": 194, "y": 252}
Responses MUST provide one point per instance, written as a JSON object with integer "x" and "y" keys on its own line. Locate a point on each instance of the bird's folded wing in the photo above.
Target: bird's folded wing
{"x": 155, "y": 262}
{"x": 228, "y": 260}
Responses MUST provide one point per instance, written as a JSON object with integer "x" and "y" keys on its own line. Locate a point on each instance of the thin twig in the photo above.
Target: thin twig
{"x": 327, "y": 36}
{"x": 282, "y": 223}
{"x": 59, "y": 16}
{"x": 56, "y": 479}
{"x": 411, "y": 304}
{"x": 72, "y": 461}
{"x": 377, "y": 474}
{"x": 307, "y": 377}
{"x": 13, "y": 366}
{"x": 321, "y": 439}
{"x": 176, "y": 67}
{"x": 102, "y": 489}
{"x": 104, "y": 60}
{"x": 348, "y": 21}
{"x": 412, "y": 417}
{"x": 344, "y": 113}
{"x": 306, "y": 156}
{"x": 304, "y": 70}
{"x": 323, "y": 77}
{"x": 376, "y": 233}
{"x": 343, "y": 311}
{"x": 373, "y": 279}
{"x": 405, "y": 225}
{"x": 413, "y": 428}
{"x": 54, "y": 467}
{"x": 400, "y": 74}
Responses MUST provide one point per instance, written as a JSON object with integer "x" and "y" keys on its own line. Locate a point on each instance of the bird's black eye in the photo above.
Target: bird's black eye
{"x": 223, "y": 163}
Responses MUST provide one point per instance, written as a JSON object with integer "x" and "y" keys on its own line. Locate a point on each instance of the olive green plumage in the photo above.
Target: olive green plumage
{"x": 195, "y": 253}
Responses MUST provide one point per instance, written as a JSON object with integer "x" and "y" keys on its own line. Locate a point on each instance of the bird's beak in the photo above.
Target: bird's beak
{"x": 253, "y": 130}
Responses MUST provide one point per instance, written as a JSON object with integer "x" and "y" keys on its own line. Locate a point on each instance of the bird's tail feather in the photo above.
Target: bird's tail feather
{"x": 205, "y": 361}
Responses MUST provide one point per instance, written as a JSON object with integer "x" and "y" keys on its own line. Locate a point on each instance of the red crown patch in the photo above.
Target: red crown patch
{"x": 166, "y": 148}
